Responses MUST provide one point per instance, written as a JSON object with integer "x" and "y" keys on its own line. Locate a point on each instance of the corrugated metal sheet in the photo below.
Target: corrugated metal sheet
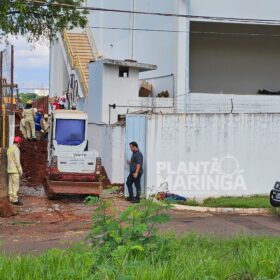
{"x": 135, "y": 131}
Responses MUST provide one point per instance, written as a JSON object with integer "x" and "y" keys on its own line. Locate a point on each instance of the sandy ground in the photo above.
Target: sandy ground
{"x": 42, "y": 224}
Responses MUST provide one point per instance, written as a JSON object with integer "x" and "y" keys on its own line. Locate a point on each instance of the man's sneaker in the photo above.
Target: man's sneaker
{"x": 129, "y": 198}
{"x": 18, "y": 203}
{"x": 34, "y": 139}
{"x": 136, "y": 200}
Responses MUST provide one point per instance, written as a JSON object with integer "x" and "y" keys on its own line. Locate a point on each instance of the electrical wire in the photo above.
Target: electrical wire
{"x": 181, "y": 31}
{"x": 196, "y": 17}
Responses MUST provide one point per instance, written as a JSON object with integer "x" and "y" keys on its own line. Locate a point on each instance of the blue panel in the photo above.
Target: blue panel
{"x": 135, "y": 131}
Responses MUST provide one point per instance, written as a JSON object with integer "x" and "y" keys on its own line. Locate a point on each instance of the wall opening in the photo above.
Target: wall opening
{"x": 234, "y": 58}
{"x": 123, "y": 71}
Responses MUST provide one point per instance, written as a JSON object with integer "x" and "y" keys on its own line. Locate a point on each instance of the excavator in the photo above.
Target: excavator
{"x": 72, "y": 168}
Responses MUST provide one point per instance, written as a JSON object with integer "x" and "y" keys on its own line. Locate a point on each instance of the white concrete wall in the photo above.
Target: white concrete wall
{"x": 109, "y": 141}
{"x": 170, "y": 51}
{"x": 118, "y": 90}
{"x": 95, "y": 90}
{"x": 251, "y": 139}
{"x": 59, "y": 75}
{"x": 106, "y": 87}
{"x": 167, "y": 50}
{"x": 232, "y": 103}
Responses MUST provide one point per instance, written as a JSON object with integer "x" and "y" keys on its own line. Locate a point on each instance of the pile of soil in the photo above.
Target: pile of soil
{"x": 33, "y": 159}
{"x": 6, "y": 209}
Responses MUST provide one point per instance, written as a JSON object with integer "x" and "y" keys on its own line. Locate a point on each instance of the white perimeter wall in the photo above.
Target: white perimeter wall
{"x": 245, "y": 143}
{"x": 252, "y": 139}
{"x": 109, "y": 141}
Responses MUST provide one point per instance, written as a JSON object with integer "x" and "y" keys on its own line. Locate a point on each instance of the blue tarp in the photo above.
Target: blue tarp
{"x": 70, "y": 132}
{"x": 38, "y": 118}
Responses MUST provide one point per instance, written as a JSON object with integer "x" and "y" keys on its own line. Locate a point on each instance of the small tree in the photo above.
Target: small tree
{"x": 120, "y": 236}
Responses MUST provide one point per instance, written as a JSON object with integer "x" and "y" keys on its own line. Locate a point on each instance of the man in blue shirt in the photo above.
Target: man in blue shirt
{"x": 38, "y": 117}
{"x": 135, "y": 173}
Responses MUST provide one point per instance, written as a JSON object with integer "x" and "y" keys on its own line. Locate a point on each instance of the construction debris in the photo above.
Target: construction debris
{"x": 164, "y": 93}
{"x": 145, "y": 89}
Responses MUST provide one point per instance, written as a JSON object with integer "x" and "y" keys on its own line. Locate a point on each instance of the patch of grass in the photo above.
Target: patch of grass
{"x": 256, "y": 201}
{"x": 190, "y": 257}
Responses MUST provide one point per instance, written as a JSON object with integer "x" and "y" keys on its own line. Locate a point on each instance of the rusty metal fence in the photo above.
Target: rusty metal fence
{"x": 42, "y": 103}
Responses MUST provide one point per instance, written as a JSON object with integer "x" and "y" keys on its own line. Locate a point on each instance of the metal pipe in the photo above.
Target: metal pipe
{"x": 135, "y": 106}
{"x": 173, "y": 79}
{"x": 12, "y": 78}
{"x": 158, "y": 77}
{"x": 109, "y": 114}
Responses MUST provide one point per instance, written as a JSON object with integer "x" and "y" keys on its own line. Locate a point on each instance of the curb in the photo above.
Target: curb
{"x": 240, "y": 211}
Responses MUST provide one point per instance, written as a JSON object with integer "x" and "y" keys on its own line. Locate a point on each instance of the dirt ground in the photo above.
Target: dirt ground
{"x": 33, "y": 161}
{"x": 42, "y": 224}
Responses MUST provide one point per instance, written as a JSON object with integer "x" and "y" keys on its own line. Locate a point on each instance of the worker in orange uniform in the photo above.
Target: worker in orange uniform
{"x": 29, "y": 116}
{"x": 14, "y": 170}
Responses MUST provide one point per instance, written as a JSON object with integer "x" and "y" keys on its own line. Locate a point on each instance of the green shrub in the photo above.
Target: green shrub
{"x": 117, "y": 238}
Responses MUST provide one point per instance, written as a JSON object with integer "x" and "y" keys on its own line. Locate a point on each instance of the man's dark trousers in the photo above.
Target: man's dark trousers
{"x": 137, "y": 182}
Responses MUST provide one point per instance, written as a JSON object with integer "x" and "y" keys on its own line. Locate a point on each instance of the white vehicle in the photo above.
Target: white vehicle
{"x": 72, "y": 169}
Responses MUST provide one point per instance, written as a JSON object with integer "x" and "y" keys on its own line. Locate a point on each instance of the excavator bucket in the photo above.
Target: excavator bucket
{"x": 71, "y": 188}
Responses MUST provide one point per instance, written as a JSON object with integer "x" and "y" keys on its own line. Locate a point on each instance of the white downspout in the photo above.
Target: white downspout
{"x": 131, "y": 32}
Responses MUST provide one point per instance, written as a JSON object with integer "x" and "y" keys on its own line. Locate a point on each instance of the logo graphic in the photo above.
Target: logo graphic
{"x": 224, "y": 174}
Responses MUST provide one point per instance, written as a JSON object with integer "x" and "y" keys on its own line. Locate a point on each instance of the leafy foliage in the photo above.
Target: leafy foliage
{"x": 119, "y": 237}
{"x": 40, "y": 19}
{"x": 24, "y": 97}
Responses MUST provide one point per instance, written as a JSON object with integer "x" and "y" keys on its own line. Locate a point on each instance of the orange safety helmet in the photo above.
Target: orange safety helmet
{"x": 17, "y": 139}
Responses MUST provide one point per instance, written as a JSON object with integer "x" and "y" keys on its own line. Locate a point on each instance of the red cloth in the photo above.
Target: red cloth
{"x": 56, "y": 105}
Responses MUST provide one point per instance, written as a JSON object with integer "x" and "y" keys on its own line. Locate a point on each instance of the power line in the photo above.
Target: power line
{"x": 212, "y": 18}
{"x": 181, "y": 31}
{"x": 137, "y": 29}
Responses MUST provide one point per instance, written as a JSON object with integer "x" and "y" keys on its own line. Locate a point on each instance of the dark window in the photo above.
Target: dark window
{"x": 70, "y": 132}
{"x": 123, "y": 72}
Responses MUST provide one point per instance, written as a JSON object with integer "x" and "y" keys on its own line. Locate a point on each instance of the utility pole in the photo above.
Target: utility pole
{"x": 12, "y": 78}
